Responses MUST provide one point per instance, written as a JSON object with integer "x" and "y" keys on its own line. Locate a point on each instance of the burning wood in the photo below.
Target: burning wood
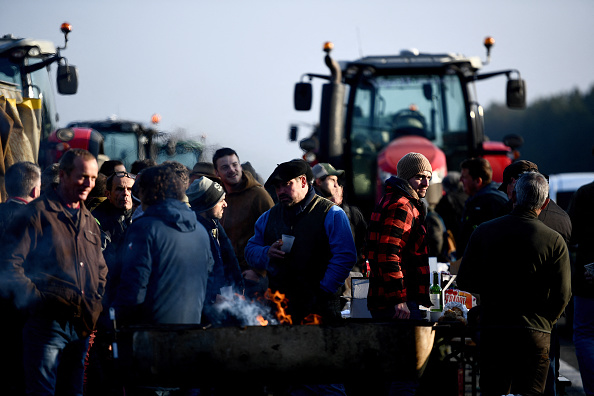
{"x": 281, "y": 303}
{"x": 312, "y": 319}
{"x": 262, "y": 321}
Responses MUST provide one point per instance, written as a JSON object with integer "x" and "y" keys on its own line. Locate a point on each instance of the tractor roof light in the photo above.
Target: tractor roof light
{"x": 328, "y": 46}
{"x": 66, "y": 28}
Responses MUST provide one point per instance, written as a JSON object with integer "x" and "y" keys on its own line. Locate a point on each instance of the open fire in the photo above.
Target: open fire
{"x": 269, "y": 310}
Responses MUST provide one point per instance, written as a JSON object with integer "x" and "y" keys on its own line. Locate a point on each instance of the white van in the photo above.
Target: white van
{"x": 563, "y": 185}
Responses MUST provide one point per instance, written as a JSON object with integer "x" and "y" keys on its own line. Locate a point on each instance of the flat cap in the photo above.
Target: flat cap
{"x": 289, "y": 170}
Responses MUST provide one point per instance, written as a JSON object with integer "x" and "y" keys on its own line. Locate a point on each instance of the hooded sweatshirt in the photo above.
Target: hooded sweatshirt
{"x": 166, "y": 261}
{"x": 245, "y": 204}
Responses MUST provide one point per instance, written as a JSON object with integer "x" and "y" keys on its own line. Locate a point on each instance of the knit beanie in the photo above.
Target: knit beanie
{"x": 411, "y": 165}
{"x": 204, "y": 194}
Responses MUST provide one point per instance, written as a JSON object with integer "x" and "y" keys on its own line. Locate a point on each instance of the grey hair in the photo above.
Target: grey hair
{"x": 21, "y": 178}
{"x": 532, "y": 190}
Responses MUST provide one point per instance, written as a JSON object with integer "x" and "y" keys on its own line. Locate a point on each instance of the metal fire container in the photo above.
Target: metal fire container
{"x": 181, "y": 355}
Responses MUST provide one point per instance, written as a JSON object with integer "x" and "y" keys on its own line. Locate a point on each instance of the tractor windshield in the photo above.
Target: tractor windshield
{"x": 121, "y": 145}
{"x": 386, "y": 107}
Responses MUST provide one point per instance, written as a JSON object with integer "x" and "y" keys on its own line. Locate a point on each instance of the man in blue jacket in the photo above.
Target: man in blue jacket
{"x": 311, "y": 271}
{"x": 305, "y": 244}
{"x": 166, "y": 258}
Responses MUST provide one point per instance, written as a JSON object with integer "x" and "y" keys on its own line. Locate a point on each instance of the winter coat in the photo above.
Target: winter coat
{"x": 55, "y": 268}
{"x": 486, "y": 204}
{"x": 165, "y": 267}
{"x": 520, "y": 267}
{"x": 225, "y": 271}
{"x": 397, "y": 249}
{"x": 581, "y": 212}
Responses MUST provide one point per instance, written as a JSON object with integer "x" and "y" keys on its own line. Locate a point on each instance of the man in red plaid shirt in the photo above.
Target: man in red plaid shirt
{"x": 396, "y": 245}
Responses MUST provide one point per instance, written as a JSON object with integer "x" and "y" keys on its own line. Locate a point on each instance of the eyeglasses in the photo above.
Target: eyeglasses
{"x": 123, "y": 174}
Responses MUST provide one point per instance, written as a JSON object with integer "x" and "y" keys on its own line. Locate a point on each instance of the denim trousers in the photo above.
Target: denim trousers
{"x": 54, "y": 357}
{"x": 583, "y": 340}
{"x": 513, "y": 360}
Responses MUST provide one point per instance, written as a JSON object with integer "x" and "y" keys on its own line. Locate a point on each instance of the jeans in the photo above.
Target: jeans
{"x": 513, "y": 360}
{"x": 583, "y": 339}
{"x": 54, "y": 357}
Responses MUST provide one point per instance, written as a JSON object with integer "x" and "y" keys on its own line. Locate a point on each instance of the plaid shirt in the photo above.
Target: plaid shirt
{"x": 397, "y": 249}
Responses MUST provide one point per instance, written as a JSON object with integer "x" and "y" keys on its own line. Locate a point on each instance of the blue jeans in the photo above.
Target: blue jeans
{"x": 583, "y": 339}
{"x": 54, "y": 357}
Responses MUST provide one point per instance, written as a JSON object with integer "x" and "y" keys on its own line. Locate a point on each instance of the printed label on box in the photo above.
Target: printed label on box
{"x": 459, "y": 296}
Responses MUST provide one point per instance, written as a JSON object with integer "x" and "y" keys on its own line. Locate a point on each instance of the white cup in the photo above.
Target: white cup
{"x": 287, "y": 243}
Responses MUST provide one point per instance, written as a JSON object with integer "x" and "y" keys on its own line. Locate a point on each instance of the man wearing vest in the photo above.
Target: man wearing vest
{"x": 311, "y": 271}
{"x": 305, "y": 244}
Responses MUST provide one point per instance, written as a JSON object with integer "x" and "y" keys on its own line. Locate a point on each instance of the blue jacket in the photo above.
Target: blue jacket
{"x": 341, "y": 248}
{"x": 166, "y": 261}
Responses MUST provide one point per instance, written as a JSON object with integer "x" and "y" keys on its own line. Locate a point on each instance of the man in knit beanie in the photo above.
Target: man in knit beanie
{"x": 411, "y": 165}
{"x": 207, "y": 199}
{"x": 397, "y": 249}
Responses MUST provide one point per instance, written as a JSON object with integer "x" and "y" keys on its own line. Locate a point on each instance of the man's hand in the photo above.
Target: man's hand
{"x": 402, "y": 311}
{"x": 275, "y": 250}
{"x": 251, "y": 275}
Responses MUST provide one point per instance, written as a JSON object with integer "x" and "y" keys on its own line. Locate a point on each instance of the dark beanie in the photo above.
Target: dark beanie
{"x": 411, "y": 165}
{"x": 204, "y": 194}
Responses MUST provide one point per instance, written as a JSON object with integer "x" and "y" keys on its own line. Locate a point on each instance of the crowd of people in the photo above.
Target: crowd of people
{"x": 164, "y": 244}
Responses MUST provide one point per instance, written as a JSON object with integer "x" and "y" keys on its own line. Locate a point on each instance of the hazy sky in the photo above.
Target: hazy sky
{"x": 226, "y": 69}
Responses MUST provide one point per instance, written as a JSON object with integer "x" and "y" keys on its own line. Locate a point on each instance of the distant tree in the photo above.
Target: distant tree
{"x": 558, "y": 131}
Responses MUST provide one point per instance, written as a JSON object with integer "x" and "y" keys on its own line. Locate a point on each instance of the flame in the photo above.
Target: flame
{"x": 262, "y": 321}
{"x": 312, "y": 319}
{"x": 281, "y": 303}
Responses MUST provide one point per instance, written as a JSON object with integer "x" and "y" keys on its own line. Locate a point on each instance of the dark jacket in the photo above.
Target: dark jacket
{"x": 165, "y": 267}
{"x": 483, "y": 206}
{"x": 113, "y": 223}
{"x": 225, "y": 271}
{"x": 520, "y": 267}
{"x": 451, "y": 207}
{"x": 9, "y": 210}
{"x": 553, "y": 216}
{"x": 397, "y": 249}
{"x": 56, "y": 268}
{"x": 581, "y": 212}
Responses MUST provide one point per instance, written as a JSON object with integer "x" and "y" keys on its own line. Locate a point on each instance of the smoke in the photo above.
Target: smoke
{"x": 235, "y": 309}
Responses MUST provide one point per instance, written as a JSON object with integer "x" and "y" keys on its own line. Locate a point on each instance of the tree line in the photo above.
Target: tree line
{"x": 558, "y": 131}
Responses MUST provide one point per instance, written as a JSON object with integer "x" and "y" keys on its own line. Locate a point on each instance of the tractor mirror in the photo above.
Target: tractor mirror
{"x": 516, "y": 94}
{"x": 67, "y": 79}
{"x": 303, "y": 96}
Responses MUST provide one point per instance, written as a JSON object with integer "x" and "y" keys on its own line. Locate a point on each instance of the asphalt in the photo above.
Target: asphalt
{"x": 568, "y": 366}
